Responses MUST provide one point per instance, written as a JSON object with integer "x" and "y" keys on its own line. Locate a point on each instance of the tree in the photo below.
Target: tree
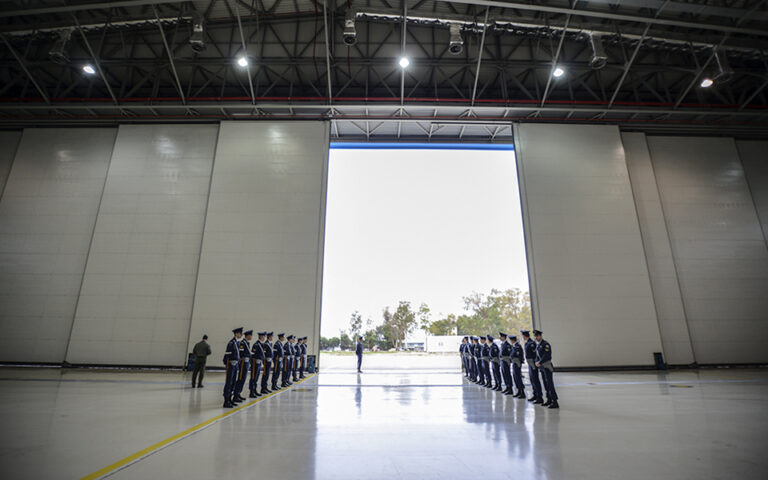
{"x": 355, "y": 324}
{"x": 445, "y": 326}
{"x": 424, "y": 317}
{"x": 500, "y": 310}
{"x": 403, "y": 322}
{"x": 325, "y": 344}
{"x": 333, "y": 342}
{"x": 345, "y": 342}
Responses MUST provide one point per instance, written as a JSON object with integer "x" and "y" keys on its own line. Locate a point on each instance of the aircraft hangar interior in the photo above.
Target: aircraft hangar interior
{"x": 168, "y": 172}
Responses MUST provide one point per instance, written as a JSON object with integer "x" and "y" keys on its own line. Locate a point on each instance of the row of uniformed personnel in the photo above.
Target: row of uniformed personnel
{"x": 481, "y": 355}
{"x": 285, "y": 360}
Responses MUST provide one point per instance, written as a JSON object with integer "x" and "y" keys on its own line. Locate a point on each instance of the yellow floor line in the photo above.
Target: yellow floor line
{"x": 120, "y": 464}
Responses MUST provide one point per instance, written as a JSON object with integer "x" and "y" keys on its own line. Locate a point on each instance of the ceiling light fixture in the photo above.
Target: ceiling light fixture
{"x": 242, "y": 61}
{"x": 89, "y": 69}
{"x": 559, "y": 72}
{"x": 404, "y": 62}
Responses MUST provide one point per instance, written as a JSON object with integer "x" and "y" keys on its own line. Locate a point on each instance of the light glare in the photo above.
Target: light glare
{"x": 89, "y": 69}
{"x": 404, "y": 62}
{"x": 558, "y": 72}
{"x": 707, "y": 82}
{"x": 242, "y": 61}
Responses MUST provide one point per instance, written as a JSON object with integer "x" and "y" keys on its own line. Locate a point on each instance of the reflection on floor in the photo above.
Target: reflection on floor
{"x": 387, "y": 424}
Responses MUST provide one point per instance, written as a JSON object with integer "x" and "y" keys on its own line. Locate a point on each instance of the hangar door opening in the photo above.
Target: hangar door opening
{"x": 424, "y": 244}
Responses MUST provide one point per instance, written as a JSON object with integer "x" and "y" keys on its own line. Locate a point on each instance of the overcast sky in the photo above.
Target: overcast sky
{"x": 421, "y": 225}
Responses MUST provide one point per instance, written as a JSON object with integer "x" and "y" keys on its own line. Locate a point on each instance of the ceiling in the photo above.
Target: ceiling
{"x": 656, "y": 54}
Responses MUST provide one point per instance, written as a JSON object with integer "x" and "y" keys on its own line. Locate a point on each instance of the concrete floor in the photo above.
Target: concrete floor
{"x": 386, "y": 424}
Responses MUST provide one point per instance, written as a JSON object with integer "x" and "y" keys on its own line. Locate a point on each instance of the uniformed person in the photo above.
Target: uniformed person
{"x": 544, "y": 362}
{"x": 257, "y": 359}
{"x": 462, "y": 357}
{"x": 466, "y": 343}
{"x": 277, "y": 359}
{"x": 303, "y": 356}
{"x": 505, "y": 355}
{"x": 533, "y": 372}
{"x": 201, "y": 350}
{"x": 268, "y": 358}
{"x": 494, "y": 363}
{"x": 244, "y": 349}
{"x": 517, "y": 362}
{"x": 359, "y": 353}
{"x": 475, "y": 375}
{"x": 480, "y": 341}
{"x": 231, "y": 360}
{"x": 288, "y": 356}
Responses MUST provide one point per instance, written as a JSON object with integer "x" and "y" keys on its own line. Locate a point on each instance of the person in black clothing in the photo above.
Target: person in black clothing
{"x": 359, "y": 353}
{"x": 201, "y": 351}
{"x": 257, "y": 359}
{"x": 268, "y": 358}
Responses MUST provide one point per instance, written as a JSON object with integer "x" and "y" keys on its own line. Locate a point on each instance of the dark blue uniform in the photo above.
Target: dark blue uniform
{"x": 494, "y": 359}
{"x": 485, "y": 350}
{"x": 472, "y": 359}
{"x": 257, "y": 359}
{"x": 517, "y": 373}
{"x": 359, "y": 353}
{"x": 287, "y": 363}
{"x": 277, "y": 358}
{"x": 231, "y": 360}
{"x": 303, "y": 353}
{"x": 479, "y": 362}
{"x": 506, "y": 359}
{"x": 544, "y": 358}
{"x": 533, "y": 371}
{"x": 463, "y": 356}
{"x": 244, "y": 349}
{"x": 268, "y": 355}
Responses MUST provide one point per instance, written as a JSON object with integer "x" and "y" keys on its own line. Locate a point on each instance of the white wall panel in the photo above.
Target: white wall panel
{"x": 754, "y": 158}
{"x": 718, "y": 246}
{"x": 589, "y": 275}
{"x": 670, "y": 311}
{"x": 262, "y": 246}
{"x": 47, "y": 215}
{"x": 8, "y": 143}
{"x": 135, "y": 305}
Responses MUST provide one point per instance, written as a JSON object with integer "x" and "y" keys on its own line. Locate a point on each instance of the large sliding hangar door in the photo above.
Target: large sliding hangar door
{"x": 163, "y": 165}
{"x": 124, "y": 245}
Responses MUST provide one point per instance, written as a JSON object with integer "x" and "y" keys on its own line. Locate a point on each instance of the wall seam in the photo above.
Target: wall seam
{"x": 10, "y": 167}
{"x": 202, "y": 239}
{"x": 642, "y": 239}
{"x": 533, "y": 292}
{"x": 674, "y": 253}
{"x": 90, "y": 246}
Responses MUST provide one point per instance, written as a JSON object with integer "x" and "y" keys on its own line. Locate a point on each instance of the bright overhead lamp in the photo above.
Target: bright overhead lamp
{"x": 707, "y": 82}
{"x": 89, "y": 69}
{"x": 558, "y": 72}
{"x": 242, "y": 61}
{"x": 404, "y": 62}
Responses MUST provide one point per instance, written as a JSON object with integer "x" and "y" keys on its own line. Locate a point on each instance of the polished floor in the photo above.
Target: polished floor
{"x": 385, "y": 424}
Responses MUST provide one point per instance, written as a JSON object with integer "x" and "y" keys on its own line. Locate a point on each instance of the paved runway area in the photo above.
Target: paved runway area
{"x": 384, "y": 424}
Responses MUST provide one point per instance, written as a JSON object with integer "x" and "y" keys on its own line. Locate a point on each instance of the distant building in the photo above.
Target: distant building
{"x": 443, "y": 343}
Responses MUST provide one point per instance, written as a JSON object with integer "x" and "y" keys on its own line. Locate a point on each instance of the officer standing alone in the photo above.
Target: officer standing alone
{"x": 201, "y": 350}
{"x": 359, "y": 353}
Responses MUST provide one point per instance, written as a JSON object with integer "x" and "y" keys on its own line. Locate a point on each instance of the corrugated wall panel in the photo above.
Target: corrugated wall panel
{"x": 262, "y": 246}
{"x": 593, "y": 294}
{"x": 47, "y": 215}
{"x": 718, "y": 246}
{"x": 136, "y": 301}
